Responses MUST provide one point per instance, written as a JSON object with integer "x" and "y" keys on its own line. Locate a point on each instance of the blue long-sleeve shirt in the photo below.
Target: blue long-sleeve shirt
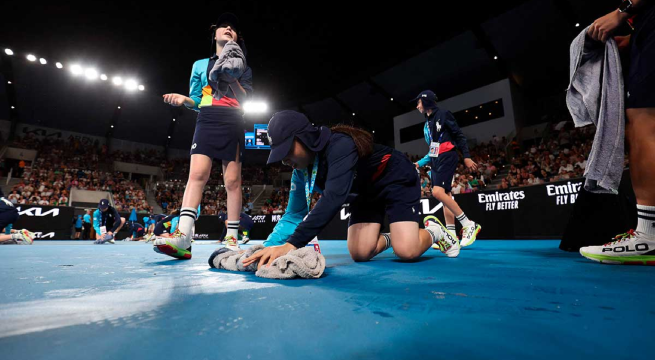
{"x": 335, "y": 180}
{"x": 444, "y": 129}
{"x": 200, "y": 90}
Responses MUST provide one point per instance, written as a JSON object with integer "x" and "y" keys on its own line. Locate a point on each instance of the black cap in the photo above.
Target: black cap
{"x": 228, "y": 19}
{"x": 428, "y": 98}
{"x": 103, "y": 204}
{"x": 286, "y": 125}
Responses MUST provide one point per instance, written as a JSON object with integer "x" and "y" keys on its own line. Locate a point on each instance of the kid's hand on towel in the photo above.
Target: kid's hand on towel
{"x": 267, "y": 255}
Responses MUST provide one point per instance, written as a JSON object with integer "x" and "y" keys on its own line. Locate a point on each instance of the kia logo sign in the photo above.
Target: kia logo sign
{"x": 36, "y": 211}
{"x": 425, "y": 209}
{"x": 39, "y": 235}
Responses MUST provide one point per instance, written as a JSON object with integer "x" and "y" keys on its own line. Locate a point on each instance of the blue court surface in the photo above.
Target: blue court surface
{"x": 498, "y": 300}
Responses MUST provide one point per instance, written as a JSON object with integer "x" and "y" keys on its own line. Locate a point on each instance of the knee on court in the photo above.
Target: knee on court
{"x": 360, "y": 256}
{"x": 407, "y": 253}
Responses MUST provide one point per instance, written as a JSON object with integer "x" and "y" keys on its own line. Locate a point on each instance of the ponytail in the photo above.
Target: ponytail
{"x": 362, "y": 138}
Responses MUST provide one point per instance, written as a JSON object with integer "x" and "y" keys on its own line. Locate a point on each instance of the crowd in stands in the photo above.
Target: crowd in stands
{"x": 563, "y": 156}
{"x": 178, "y": 169}
{"x": 64, "y": 164}
{"x": 150, "y": 157}
{"x": 170, "y": 194}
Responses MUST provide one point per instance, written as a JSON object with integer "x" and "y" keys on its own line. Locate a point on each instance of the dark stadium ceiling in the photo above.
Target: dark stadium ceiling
{"x": 323, "y": 58}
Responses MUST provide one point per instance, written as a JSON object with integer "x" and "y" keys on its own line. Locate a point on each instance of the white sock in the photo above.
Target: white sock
{"x": 233, "y": 229}
{"x": 387, "y": 238}
{"x": 464, "y": 220}
{"x": 188, "y": 217}
{"x": 646, "y": 219}
{"x": 435, "y": 236}
{"x": 451, "y": 228}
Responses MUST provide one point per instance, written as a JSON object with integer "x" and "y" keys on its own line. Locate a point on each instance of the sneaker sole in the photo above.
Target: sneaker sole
{"x": 621, "y": 260}
{"x": 475, "y": 236}
{"x": 173, "y": 251}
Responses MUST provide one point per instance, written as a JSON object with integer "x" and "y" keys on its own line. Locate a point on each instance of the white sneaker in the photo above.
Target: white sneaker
{"x": 631, "y": 248}
{"x": 27, "y": 237}
{"x": 177, "y": 246}
{"x": 231, "y": 243}
{"x": 244, "y": 240}
{"x": 446, "y": 241}
{"x": 470, "y": 233}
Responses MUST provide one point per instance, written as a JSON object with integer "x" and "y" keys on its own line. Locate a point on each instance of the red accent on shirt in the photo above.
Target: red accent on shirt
{"x": 381, "y": 167}
{"x": 445, "y": 147}
{"x": 227, "y": 102}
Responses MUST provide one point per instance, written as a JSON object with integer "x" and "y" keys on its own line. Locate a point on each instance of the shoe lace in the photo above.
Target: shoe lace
{"x": 622, "y": 237}
{"x": 178, "y": 233}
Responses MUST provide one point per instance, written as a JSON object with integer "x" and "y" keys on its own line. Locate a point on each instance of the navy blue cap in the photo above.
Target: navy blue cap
{"x": 286, "y": 125}
{"x": 428, "y": 99}
{"x": 228, "y": 19}
{"x": 103, "y": 204}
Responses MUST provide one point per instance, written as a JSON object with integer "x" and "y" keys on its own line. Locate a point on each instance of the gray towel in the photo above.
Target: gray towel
{"x": 230, "y": 62}
{"x": 231, "y": 260}
{"x": 305, "y": 263}
{"x": 595, "y": 96}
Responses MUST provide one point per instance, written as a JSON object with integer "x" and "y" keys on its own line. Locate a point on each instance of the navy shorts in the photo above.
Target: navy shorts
{"x": 159, "y": 229}
{"x": 443, "y": 169}
{"x": 246, "y": 223}
{"x": 219, "y": 133}
{"x": 640, "y": 83}
{"x": 8, "y": 217}
{"x": 396, "y": 194}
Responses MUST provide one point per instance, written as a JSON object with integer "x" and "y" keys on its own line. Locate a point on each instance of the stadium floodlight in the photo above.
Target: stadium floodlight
{"x": 169, "y": 136}
{"x": 173, "y": 119}
{"x": 43, "y": 61}
{"x": 31, "y": 57}
{"x": 119, "y": 107}
{"x": 577, "y": 24}
{"x": 103, "y": 77}
{"x": 495, "y": 57}
{"x": 117, "y": 81}
{"x": 13, "y": 107}
{"x": 353, "y": 114}
{"x": 9, "y": 82}
{"x": 76, "y": 70}
{"x": 141, "y": 87}
{"x": 9, "y": 52}
{"x": 112, "y": 126}
{"x": 255, "y": 107}
{"x": 91, "y": 74}
{"x": 131, "y": 85}
{"x": 59, "y": 65}
{"x": 391, "y": 99}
